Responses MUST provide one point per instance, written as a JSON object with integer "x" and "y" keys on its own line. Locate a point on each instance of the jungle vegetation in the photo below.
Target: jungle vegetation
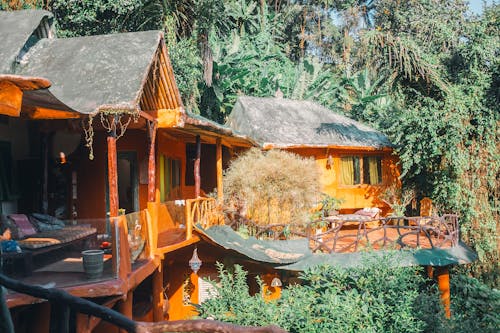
{"x": 426, "y": 73}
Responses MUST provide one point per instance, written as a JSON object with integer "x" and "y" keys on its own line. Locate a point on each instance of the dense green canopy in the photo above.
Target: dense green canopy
{"x": 425, "y": 73}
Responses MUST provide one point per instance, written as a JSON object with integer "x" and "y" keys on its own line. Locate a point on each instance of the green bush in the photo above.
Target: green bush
{"x": 475, "y": 307}
{"x": 373, "y": 298}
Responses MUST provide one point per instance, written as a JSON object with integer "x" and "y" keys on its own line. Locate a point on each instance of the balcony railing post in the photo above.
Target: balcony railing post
{"x": 59, "y": 318}
{"x": 189, "y": 219}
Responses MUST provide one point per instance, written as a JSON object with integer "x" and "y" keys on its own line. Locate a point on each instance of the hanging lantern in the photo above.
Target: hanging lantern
{"x": 195, "y": 262}
{"x": 276, "y": 282}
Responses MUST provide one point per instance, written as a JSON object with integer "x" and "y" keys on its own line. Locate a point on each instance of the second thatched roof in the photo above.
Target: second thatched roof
{"x": 284, "y": 123}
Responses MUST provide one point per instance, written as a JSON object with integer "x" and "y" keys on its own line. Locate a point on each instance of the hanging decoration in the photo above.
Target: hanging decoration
{"x": 195, "y": 262}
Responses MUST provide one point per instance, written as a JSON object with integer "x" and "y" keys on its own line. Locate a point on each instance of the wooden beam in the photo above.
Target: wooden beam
{"x": 152, "y": 126}
{"x": 11, "y": 98}
{"x": 112, "y": 174}
{"x": 197, "y": 177}
{"x": 125, "y": 307}
{"x": 218, "y": 153}
{"x": 158, "y": 295}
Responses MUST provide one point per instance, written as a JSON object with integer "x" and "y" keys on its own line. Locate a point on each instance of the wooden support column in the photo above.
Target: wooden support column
{"x": 59, "y": 317}
{"x": 158, "y": 295}
{"x": 112, "y": 174}
{"x": 152, "y": 126}
{"x": 197, "y": 178}
{"x": 45, "y": 184}
{"x": 443, "y": 278}
{"x": 125, "y": 307}
{"x": 218, "y": 156}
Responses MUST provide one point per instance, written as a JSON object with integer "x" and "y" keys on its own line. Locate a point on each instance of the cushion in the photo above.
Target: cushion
{"x": 44, "y": 224}
{"x": 47, "y": 219}
{"x": 370, "y": 212}
{"x": 24, "y": 226}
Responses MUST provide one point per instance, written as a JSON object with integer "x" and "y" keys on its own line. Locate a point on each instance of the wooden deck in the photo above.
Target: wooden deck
{"x": 351, "y": 235}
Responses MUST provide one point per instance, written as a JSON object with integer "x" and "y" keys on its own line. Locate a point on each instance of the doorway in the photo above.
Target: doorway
{"x": 128, "y": 184}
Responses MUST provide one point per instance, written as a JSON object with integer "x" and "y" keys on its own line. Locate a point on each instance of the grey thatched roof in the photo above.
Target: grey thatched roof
{"x": 92, "y": 73}
{"x": 284, "y": 123}
{"x": 16, "y": 28}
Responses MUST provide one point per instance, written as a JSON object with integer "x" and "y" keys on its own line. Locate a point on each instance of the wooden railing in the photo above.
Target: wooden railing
{"x": 351, "y": 235}
{"x": 69, "y": 308}
{"x": 391, "y": 232}
{"x": 203, "y": 211}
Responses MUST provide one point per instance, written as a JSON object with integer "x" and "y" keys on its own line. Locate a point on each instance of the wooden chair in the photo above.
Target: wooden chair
{"x": 426, "y": 207}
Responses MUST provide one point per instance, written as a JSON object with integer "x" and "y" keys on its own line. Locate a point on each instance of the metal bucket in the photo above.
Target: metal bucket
{"x": 93, "y": 261}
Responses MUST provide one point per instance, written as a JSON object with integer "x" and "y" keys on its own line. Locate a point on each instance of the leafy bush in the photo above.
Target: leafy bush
{"x": 372, "y": 298}
{"x": 375, "y": 298}
{"x": 475, "y": 307}
{"x": 272, "y": 187}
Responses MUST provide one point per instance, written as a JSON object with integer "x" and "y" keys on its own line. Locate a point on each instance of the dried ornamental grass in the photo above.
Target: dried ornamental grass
{"x": 272, "y": 187}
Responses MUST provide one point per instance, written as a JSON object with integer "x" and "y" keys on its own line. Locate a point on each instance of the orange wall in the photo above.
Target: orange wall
{"x": 92, "y": 179}
{"x": 354, "y": 196}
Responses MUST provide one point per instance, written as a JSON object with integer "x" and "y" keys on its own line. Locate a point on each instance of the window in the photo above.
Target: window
{"x": 170, "y": 176}
{"x": 372, "y": 170}
{"x": 352, "y": 167}
{"x": 349, "y": 166}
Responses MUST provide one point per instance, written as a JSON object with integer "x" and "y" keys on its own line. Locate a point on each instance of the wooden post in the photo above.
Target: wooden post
{"x": 125, "y": 307}
{"x": 189, "y": 219}
{"x": 218, "y": 155}
{"x": 112, "y": 175}
{"x": 45, "y": 185}
{"x": 158, "y": 295}
{"x": 59, "y": 317}
{"x": 152, "y": 126}
{"x": 197, "y": 178}
{"x": 443, "y": 278}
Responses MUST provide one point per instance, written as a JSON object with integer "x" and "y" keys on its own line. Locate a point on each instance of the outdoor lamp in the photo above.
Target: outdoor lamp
{"x": 329, "y": 161}
{"x": 195, "y": 262}
{"x": 276, "y": 283}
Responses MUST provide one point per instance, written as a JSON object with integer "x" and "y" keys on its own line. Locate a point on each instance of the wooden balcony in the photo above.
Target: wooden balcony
{"x": 176, "y": 221}
{"x": 128, "y": 262}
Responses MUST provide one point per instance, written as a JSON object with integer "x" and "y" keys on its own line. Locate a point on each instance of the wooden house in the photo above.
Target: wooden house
{"x": 357, "y": 162}
{"x": 93, "y": 131}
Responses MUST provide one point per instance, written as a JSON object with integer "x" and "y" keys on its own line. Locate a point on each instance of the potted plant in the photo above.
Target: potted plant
{"x": 330, "y": 205}
{"x": 398, "y": 199}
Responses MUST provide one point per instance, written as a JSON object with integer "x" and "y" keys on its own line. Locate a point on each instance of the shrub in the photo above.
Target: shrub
{"x": 272, "y": 187}
{"x": 475, "y": 307}
{"x": 373, "y": 298}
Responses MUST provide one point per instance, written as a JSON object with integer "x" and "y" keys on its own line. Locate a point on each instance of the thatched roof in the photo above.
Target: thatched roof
{"x": 18, "y": 29}
{"x": 284, "y": 123}
{"x": 92, "y": 73}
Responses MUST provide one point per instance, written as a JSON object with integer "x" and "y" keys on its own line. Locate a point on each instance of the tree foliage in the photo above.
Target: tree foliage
{"x": 425, "y": 72}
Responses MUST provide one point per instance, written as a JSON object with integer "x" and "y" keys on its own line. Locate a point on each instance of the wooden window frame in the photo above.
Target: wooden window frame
{"x": 361, "y": 158}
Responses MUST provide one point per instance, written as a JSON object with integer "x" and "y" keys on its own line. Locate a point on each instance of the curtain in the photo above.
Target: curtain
{"x": 372, "y": 170}
{"x": 347, "y": 170}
